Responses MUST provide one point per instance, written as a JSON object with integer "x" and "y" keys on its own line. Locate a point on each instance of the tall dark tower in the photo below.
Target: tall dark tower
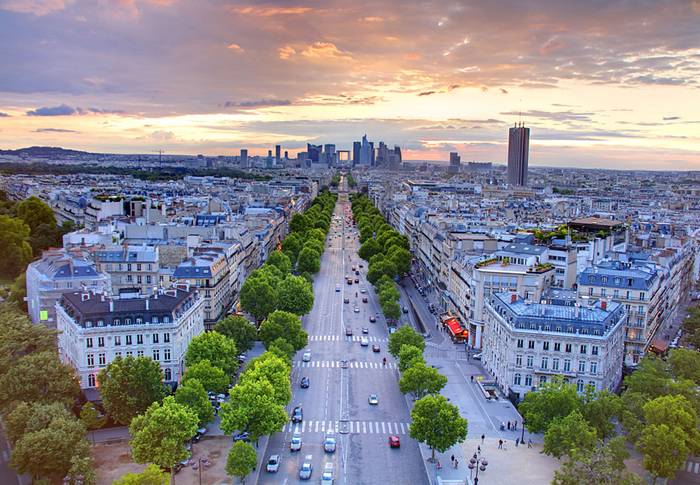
{"x": 518, "y": 150}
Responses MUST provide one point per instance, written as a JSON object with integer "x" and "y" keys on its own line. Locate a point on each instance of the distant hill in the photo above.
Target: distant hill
{"x": 43, "y": 152}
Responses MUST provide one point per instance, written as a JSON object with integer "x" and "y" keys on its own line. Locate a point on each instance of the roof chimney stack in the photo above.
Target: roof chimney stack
{"x": 513, "y": 297}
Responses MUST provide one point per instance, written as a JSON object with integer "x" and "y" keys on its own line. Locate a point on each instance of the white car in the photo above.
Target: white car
{"x": 295, "y": 443}
{"x": 273, "y": 464}
{"x": 373, "y": 399}
{"x": 306, "y": 357}
{"x": 327, "y": 477}
{"x": 364, "y": 342}
{"x": 357, "y": 309}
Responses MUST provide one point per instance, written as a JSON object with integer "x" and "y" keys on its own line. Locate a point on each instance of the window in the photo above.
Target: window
{"x": 117, "y": 322}
{"x": 100, "y": 341}
{"x": 557, "y": 347}
{"x": 101, "y": 359}
{"x": 138, "y": 267}
{"x": 129, "y": 278}
{"x": 168, "y": 375}
{"x": 128, "y": 340}
{"x": 518, "y": 360}
{"x": 530, "y": 344}
{"x": 139, "y": 353}
{"x": 579, "y": 385}
{"x": 590, "y": 291}
{"x": 166, "y": 338}
{"x": 545, "y": 362}
{"x": 88, "y": 342}
{"x": 592, "y": 385}
{"x": 117, "y": 340}
{"x": 603, "y": 293}
{"x": 154, "y": 319}
{"x": 528, "y": 380}
{"x": 166, "y": 319}
{"x": 138, "y": 279}
{"x": 148, "y": 279}
{"x": 139, "y": 338}
{"x": 584, "y": 349}
{"x": 641, "y": 295}
{"x": 117, "y": 354}
{"x": 90, "y": 360}
{"x": 543, "y": 380}
{"x": 594, "y": 350}
{"x": 555, "y": 364}
{"x": 156, "y": 355}
{"x": 520, "y": 343}
{"x": 567, "y": 365}
{"x": 545, "y": 345}
{"x": 516, "y": 379}
{"x": 582, "y": 366}
{"x": 91, "y": 380}
{"x": 616, "y": 294}
{"x": 166, "y": 355}
{"x": 128, "y": 267}
{"x": 129, "y": 353}
{"x": 139, "y": 320}
{"x": 529, "y": 361}
{"x": 155, "y": 338}
{"x": 100, "y": 323}
{"x": 594, "y": 368}
{"x": 567, "y": 348}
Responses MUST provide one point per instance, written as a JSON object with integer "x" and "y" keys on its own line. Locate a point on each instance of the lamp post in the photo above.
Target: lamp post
{"x": 477, "y": 462}
{"x": 522, "y": 432}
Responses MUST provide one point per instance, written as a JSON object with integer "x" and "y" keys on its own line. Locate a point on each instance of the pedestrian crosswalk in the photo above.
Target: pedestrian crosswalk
{"x": 353, "y": 427}
{"x": 351, "y": 338}
{"x": 350, "y": 365}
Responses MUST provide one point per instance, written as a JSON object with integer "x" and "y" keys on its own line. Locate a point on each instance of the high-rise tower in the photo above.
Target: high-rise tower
{"x": 518, "y": 150}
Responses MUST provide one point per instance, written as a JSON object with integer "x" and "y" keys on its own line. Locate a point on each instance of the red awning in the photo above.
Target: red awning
{"x": 454, "y": 326}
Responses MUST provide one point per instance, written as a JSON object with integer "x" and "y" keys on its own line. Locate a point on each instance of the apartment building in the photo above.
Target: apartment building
{"x": 130, "y": 267}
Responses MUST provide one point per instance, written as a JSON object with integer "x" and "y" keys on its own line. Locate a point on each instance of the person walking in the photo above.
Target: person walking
{"x": 478, "y": 449}
{"x": 456, "y": 463}
{"x": 529, "y": 443}
{"x": 472, "y": 378}
{"x": 508, "y": 425}
{"x": 500, "y": 444}
{"x": 515, "y": 425}
{"x": 452, "y": 458}
{"x": 482, "y": 439}
{"x": 517, "y": 440}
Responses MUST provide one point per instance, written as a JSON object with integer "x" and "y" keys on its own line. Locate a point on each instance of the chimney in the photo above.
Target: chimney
{"x": 513, "y": 297}
{"x": 85, "y": 296}
{"x": 604, "y": 305}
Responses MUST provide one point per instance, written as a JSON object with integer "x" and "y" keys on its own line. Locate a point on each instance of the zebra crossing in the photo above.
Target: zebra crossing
{"x": 350, "y": 365}
{"x": 354, "y": 427}
{"x": 352, "y": 338}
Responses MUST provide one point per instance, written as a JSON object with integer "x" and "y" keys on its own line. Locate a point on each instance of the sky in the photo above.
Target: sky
{"x": 611, "y": 84}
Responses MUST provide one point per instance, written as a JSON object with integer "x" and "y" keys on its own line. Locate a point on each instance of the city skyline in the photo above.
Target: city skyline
{"x": 601, "y": 86}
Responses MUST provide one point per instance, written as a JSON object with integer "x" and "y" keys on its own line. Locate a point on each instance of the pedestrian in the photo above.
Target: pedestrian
{"x": 515, "y": 425}
{"x": 517, "y": 440}
{"x": 472, "y": 378}
{"x": 508, "y": 425}
{"x": 529, "y": 443}
{"x": 500, "y": 444}
{"x": 482, "y": 439}
{"x": 452, "y": 458}
{"x": 505, "y": 444}
{"x": 476, "y": 480}
{"x": 478, "y": 449}
{"x": 456, "y": 463}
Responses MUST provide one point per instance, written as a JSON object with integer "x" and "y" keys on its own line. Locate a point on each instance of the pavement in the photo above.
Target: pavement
{"x": 337, "y": 398}
{"x": 8, "y": 476}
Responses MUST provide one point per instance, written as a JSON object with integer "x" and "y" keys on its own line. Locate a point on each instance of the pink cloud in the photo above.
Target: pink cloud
{"x": 36, "y": 7}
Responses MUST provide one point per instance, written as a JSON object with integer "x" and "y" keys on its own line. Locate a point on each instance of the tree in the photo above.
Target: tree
{"x": 152, "y": 475}
{"x": 369, "y": 248}
{"x": 253, "y": 407}
{"x": 238, "y": 329}
{"x": 401, "y": 259}
{"x": 274, "y": 370}
{"x": 685, "y": 364}
{"x": 437, "y": 423}
{"x": 391, "y": 309}
{"x": 291, "y": 245}
{"x": 18, "y": 291}
{"x": 409, "y": 355}
{"x": 298, "y": 223}
{"x": 379, "y": 269}
{"x": 258, "y": 297}
{"x": 419, "y": 379}
{"x": 555, "y": 399}
{"x": 193, "y": 395}
{"x": 281, "y": 261}
{"x": 129, "y": 385}
{"x": 282, "y": 349}
{"x": 241, "y": 460}
{"x": 159, "y": 435}
{"x": 651, "y": 378}
{"x": 39, "y": 377}
{"x": 309, "y": 260}
{"x": 604, "y": 465}
{"x": 29, "y": 417}
{"x": 405, "y": 336}
{"x": 44, "y": 236}
{"x": 663, "y": 453}
{"x": 34, "y": 212}
{"x": 91, "y": 418}
{"x": 676, "y": 412}
{"x": 285, "y": 325}
{"x": 212, "y": 378}
{"x": 15, "y": 251}
{"x": 568, "y": 434}
{"x": 295, "y": 295}
{"x": 20, "y": 337}
{"x": 599, "y": 409}
{"x": 214, "y": 347}
{"x": 388, "y": 292}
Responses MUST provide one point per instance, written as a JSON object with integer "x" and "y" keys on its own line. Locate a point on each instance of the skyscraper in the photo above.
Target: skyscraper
{"x": 366, "y": 151}
{"x": 455, "y": 161}
{"x": 518, "y": 149}
{"x": 314, "y": 152}
{"x": 278, "y": 154}
{"x": 356, "y": 147}
{"x": 244, "y": 157}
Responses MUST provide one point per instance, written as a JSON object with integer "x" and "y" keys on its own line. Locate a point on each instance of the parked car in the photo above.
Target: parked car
{"x": 273, "y": 464}
{"x": 304, "y": 383}
{"x": 404, "y": 309}
{"x": 295, "y": 443}
{"x": 364, "y": 299}
{"x": 244, "y": 436}
{"x": 394, "y": 441}
{"x": 477, "y": 356}
{"x": 346, "y": 300}
{"x": 357, "y": 280}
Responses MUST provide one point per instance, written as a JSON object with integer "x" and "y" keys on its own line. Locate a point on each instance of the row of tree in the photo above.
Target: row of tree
{"x": 691, "y": 327}
{"x": 435, "y": 421}
{"x": 658, "y": 412}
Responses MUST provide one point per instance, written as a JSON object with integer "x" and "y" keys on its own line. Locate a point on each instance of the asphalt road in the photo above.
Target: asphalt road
{"x": 337, "y": 398}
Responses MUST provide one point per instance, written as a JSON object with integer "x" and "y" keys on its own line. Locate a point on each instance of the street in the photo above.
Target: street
{"x": 342, "y": 375}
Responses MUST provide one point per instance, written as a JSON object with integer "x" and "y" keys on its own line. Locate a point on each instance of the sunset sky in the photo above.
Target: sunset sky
{"x": 612, "y": 84}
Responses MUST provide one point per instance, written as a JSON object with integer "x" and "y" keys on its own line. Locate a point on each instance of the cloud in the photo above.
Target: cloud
{"x": 235, "y": 48}
{"x": 270, "y": 11}
{"x": 373, "y": 19}
{"x": 671, "y": 118}
{"x": 62, "y": 110}
{"x": 4, "y": 115}
{"x": 286, "y": 52}
{"x": 426, "y": 93}
{"x": 257, "y": 103}
{"x": 54, "y": 130}
{"x": 36, "y": 7}
{"x": 567, "y": 115}
{"x": 503, "y": 91}
{"x": 324, "y": 50}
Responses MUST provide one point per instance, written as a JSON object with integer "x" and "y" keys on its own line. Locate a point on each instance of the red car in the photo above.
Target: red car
{"x": 394, "y": 441}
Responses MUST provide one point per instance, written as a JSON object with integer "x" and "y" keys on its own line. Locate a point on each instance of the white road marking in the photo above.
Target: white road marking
{"x": 402, "y": 430}
{"x": 383, "y": 429}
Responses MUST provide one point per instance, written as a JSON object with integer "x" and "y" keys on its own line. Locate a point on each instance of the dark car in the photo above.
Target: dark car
{"x": 372, "y": 318}
{"x": 364, "y": 299}
{"x": 297, "y": 415}
{"x": 394, "y": 441}
{"x": 376, "y": 348}
{"x": 348, "y": 331}
{"x": 357, "y": 273}
{"x": 244, "y": 436}
{"x": 404, "y": 309}
{"x": 357, "y": 280}
{"x": 304, "y": 384}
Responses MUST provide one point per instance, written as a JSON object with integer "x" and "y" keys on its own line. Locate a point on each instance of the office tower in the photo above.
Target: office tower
{"x": 244, "y": 157}
{"x": 286, "y": 155}
{"x": 395, "y": 158}
{"x": 382, "y": 159}
{"x": 365, "y": 152}
{"x": 371, "y": 154}
{"x": 314, "y": 152}
{"x": 454, "y": 163}
{"x": 518, "y": 148}
{"x": 356, "y": 147}
{"x": 329, "y": 154}
{"x": 278, "y": 154}
{"x": 269, "y": 154}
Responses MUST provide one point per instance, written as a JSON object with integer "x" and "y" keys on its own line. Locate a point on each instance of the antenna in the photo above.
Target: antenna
{"x": 520, "y": 113}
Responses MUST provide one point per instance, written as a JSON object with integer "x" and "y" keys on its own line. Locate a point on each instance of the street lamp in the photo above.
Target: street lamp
{"x": 477, "y": 462}
{"x": 522, "y": 432}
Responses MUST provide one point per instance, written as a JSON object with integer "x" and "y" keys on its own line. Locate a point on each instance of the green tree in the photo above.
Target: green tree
{"x": 152, "y": 475}
{"x": 677, "y": 412}
{"x": 91, "y": 417}
{"x": 285, "y": 325}
{"x": 29, "y": 417}
{"x": 555, "y": 399}
{"x": 437, "y": 423}
{"x": 291, "y": 246}
{"x": 282, "y": 349}
{"x": 214, "y": 347}
{"x": 213, "y": 378}
{"x": 369, "y": 248}
{"x": 193, "y": 395}
{"x": 34, "y": 212}
{"x": 129, "y": 385}
{"x": 409, "y": 355}
{"x": 20, "y": 337}
{"x": 274, "y": 370}
{"x": 159, "y": 435}
{"x": 419, "y": 379}
{"x": 241, "y": 460}
{"x": 18, "y": 291}
{"x": 651, "y": 378}
{"x": 258, "y": 297}
{"x": 309, "y": 261}
{"x": 45, "y": 236}
{"x": 604, "y": 465}
{"x": 405, "y": 336}
{"x": 379, "y": 269}
{"x": 295, "y": 295}
{"x": 238, "y": 329}
{"x": 663, "y": 453}
{"x": 298, "y": 223}
{"x": 389, "y": 292}
{"x": 281, "y": 261}
{"x": 39, "y": 377}
{"x": 15, "y": 251}
{"x": 401, "y": 259}
{"x": 391, "y": 309}
{"x": 599, "y": 408}
{"x": 568, "y": 434}
{"x": 253, "y": 407}
{"x": 685, "y": 364}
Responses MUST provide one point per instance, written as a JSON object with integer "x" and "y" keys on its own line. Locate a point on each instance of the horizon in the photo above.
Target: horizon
{"x": 607, "y": 86}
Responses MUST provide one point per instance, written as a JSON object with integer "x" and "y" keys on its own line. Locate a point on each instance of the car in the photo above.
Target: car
{"x": 329, "y": 443}
{"x": 346, "y": 300}
{"x": 364, "y": 341}
{"x": 357, "y": 273}
{"x": 357, "y": 280}
{"x": 221, "y": 397}
{"x": 375, "y": 348}
{"x": 363, "y": 290}
{"x": 394, "y": 441}
{"x": 327, "y": 477}
{"x": 349, "y": 281}
{"x": 244, "y": 436}
{"x": 392, "y": 330}
{"x": 295, "y": 443}
{"x": 364, "y": 299}
{"x": 373, "y": 399}
{"x": 477, "y": 356}
{"x": 273, "y": 464}
{"x": 306, "y": 357}
{"x": 337, "y": 288}
{"x": 304, "y": 383}
{"x": 372, "y": 318}
{"x": 404, "y": 309}
{"x": 356, "y": 309}
{"x": 306, "y": 468}
{"x": 297, "y": 415}
{"x": 353, "y": 268}
{"x": 365, "y": 330}
{"x": 348, "y": 331}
